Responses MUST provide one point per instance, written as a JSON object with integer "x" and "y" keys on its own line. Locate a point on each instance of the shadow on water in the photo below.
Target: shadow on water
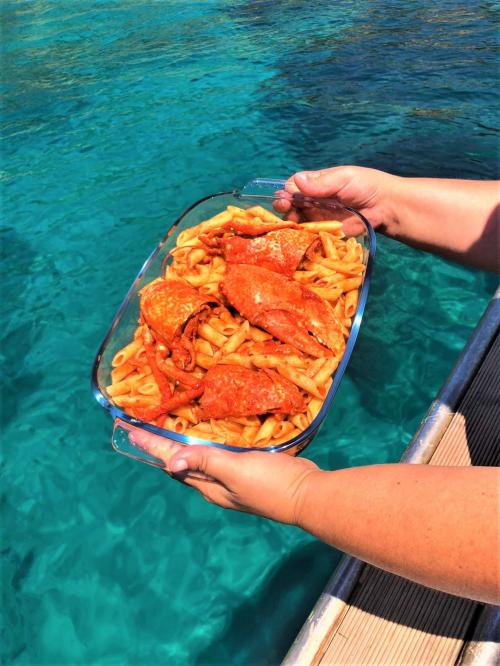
{"x": 392, "y": 88}
{"x": 275, "y": 612}
{"x": 18, "y": 377}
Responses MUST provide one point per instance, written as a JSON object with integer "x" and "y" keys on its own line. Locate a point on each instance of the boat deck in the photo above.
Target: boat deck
{"x": 366, "y": 616}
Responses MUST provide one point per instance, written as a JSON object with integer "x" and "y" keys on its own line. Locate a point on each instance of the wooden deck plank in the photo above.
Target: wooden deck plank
{"x": 473, "y": 436}
{"x": 393, "y": 621}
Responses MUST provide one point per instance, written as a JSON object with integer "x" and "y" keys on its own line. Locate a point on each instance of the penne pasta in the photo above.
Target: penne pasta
{"x": 126, "y": 353}
{"x": 304, "y": 277}
{"x": 199, "y": 433}
{"x": 210, "y": 289}
{"x": 265, "y": 431}
{"x": 236, "y": 359}
{"x": 313, "y": 409}
{"x": 282, "y": 429}
{"x": 203, "y": 346}
{"x": 350, "y": 283}
{"x": 236, "y": 339}
{"x": 328, "y": 243}
{"x": 140, "y": 357}
{"x": 224, "y": 431}
{"x": 326, "y": 370}
{"x": 125, "y": 386}
{"x": 179, "y": 425}
{"x": 342, "y": 266}
{"x": 147, "y": 388}
{"x": 198, "y": 279}
{"x": 328, "y": 294}
{"x": 314, "y": 366}
{"x": 317, "y": 269}
{"x": 228, "y": 425}
{"x": 212, "y": 335}
{"x": 203, "y": 426}
{"x": 301, "y": 380}
{"x": 227, "y": 328}
{"x": 170, "y": 273}
{"x": 249, "y": 433}
{"x": 135, "y": 400}
{"x": 195, "y": 256}
{"x": 119, "y": 373}
{"x": 187, "y": 413}
{"x": 324, "y": 225}
{"x": 181, "y": 254}
{"x": 266, "y": 216}
{"x": 351, "y": 303}
{"x": 299, "y": 421}
{"x": 285, "y": 438}
{"x": 237, "y": 211}
{"x": 218, "y": 264}
{"x": 354, "y": 251}
{"x": 204, "y": 360}
{"x": 166, "y": 422}
{"x": 257, "y": 335}
{"x": 273, "y": 360}
{"x": 214, "y": 222}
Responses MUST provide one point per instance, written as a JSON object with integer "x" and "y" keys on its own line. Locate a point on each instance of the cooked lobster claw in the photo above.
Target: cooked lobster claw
{"x": 172, "y": 310}
{"x": 231, "y": 390}
{"x": 284, "y": 308}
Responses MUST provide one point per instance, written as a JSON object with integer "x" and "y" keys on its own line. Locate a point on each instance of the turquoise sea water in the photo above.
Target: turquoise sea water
{"x": 116, "y": 115}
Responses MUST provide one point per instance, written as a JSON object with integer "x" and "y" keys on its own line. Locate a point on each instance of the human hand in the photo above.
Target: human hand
{"x": 265, "y": 484}
{"x": 369, "y": 191}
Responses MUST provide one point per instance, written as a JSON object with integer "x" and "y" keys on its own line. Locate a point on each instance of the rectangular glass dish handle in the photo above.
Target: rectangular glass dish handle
{"x": 272, "y": 189}
{"x": 123, "y": 443}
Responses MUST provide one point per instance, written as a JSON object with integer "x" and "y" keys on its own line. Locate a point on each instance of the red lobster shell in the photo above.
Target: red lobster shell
{"x": 280, "y": 251}
{"x": 284, "y": 308}
{"x": 231, "y": 390}
{"x": 172, "y": 310}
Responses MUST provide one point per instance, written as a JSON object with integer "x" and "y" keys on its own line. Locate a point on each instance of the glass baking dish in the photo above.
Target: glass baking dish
{"x": 263, "y": 192}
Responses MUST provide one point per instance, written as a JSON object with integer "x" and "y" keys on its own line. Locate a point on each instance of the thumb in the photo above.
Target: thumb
{"x": 323, "y": 183}
{"x": 209, "y": 460}
{"x": 158, "y": 447}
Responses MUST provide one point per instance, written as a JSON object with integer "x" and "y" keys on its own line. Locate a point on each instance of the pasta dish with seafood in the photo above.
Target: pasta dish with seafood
{"x": 238, "y": 339}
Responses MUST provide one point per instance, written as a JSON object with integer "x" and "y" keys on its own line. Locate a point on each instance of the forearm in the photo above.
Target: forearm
{"x": 437, "y": 526}
{"x": 458, "y": 219}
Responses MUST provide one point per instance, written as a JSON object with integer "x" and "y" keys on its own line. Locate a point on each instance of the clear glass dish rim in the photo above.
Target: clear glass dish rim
{"x": 117, "y": 413}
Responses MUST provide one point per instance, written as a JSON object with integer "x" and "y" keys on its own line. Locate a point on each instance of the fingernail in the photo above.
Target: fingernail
{"x": 178, "y": 465}
{"x": 302, "y": 177}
